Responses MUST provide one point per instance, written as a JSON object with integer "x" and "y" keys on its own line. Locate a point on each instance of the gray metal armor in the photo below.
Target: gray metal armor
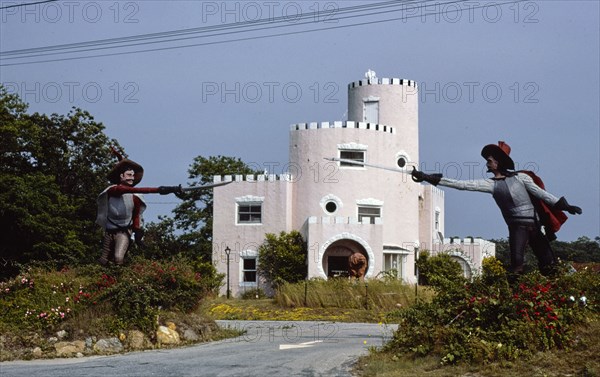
{"x": 513, "y": 199}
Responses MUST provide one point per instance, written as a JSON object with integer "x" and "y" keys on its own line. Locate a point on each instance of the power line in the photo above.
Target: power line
{"x": 206, "y": 29}
{"x": 26, "y": 4}
{"x": 222, "y": 27}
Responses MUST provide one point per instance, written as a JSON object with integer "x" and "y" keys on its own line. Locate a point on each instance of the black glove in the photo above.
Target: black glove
{"x": 419, "y": 176}
{"x": 139, "y": 235}
{"x": 564, "y": 206}
{"x": 164, "y": 190}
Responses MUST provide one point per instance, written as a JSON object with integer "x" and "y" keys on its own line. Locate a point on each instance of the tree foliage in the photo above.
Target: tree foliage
{"x": 438, "y": 269}
{"x": 51, "y": 171}
{"x": 582, "y": 250}
{"x": 282, "y": 258}
{"x": 194, "y": 215}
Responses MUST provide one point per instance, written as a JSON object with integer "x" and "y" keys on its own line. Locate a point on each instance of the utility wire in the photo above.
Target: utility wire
{"x": 241, "y": 39}
{"x": 206, "y": 29}
{"x": 26, "y": 4}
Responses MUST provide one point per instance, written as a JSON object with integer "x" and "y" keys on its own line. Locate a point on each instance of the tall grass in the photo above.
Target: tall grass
{"x": 384, "y": 294}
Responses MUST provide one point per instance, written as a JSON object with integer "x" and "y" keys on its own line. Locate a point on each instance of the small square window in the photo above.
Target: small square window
{"x": 369, "y": 213}
{"x": 249, "y": 213}
{"x": 358, "y": 156}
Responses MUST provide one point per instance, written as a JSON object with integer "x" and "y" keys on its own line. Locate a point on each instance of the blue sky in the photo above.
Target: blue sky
{"x": 525, "y": 72}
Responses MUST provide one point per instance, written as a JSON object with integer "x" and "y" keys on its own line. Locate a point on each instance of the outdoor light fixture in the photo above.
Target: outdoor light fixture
{"x": 227, "y": 252}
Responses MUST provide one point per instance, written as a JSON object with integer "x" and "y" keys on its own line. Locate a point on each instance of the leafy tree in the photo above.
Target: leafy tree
{"x": 283, "y": 258}
{"x": 583, "y": 250}
{"x": 194, "y": 215}
{"x": 51, "y": 171}
{"x": 436, "y": 270}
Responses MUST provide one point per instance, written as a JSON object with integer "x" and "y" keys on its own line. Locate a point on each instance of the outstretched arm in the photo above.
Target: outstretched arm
{"x": 536, "y": 190}
{"x": 481, "y": 185}
{"x": 548, "y": 198}
{"x": 163, "y": 190}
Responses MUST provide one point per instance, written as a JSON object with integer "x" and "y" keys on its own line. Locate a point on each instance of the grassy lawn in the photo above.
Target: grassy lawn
{"x": 269, "y": 309}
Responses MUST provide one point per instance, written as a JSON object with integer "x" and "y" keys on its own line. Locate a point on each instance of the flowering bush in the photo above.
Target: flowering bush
{"x": 487, "y": 319}
{"x": 38, "y": 300}
{"x": 42, "y": 300}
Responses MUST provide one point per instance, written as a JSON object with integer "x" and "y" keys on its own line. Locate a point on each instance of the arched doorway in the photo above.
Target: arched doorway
{"x": 335, "y": 257}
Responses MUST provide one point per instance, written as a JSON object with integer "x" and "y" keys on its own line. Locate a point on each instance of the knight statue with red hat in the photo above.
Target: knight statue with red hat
{"x": 525, "y": 205}
{"x": 120, "y": 208}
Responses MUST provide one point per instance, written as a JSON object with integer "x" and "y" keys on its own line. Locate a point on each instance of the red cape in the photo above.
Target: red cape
{"x": 551, "y": 218}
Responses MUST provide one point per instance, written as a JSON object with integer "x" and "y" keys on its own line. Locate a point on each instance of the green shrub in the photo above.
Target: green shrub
{"x": 438, "y": 269}
{"x": 283, "y": 258}
{"x": 43, "y": 300}
{"x": 487, "y": 319}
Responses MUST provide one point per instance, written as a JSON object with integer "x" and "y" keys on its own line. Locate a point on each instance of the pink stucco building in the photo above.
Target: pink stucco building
{"x": 343, "y": 208}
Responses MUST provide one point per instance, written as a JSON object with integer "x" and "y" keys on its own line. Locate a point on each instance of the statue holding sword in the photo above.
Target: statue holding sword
{"x": 121, "y": 205}
{"x": 525, "y": 205}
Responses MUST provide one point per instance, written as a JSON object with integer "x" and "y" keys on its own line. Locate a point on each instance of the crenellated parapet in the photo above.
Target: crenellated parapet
{"x": 383, "y": 81}
{"x": 342, "y": 124}
{"x": 253, "y": 178}
{"x": 341, "y": 220}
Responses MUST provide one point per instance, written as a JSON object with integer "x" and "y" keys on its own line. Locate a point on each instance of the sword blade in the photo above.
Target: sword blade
{"x": 205, "y": 187}
{"x": 360, "y": 163}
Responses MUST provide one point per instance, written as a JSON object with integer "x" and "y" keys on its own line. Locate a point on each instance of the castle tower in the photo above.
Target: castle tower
{"x": 354, "y": 218}
{"x": 347, "y": 208}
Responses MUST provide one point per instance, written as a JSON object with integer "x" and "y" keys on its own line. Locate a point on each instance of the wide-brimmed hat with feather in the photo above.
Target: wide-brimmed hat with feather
{"x": 500, "y": 152}
{"x": 124, "y": 164}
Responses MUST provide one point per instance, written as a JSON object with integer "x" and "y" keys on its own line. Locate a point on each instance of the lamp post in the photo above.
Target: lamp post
{"x": 227, "y": 252}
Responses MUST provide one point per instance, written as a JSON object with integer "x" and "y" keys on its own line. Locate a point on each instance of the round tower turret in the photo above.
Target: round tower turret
{"x": 352, "y": 208}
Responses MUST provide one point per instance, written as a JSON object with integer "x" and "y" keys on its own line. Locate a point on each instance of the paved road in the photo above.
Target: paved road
{"x": 268, "y": 348}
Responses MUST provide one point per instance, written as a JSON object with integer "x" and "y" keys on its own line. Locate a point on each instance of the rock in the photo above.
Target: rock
{"x": 165, "y": 335}
{"x": 172, "y": 326}
{"x": 61, "y": 334}
{"x": 190, "y": 335}
{"x": 69, "y": 348}
{"x": 89, "y": 342}
{"x": 137, "y": 340}
{"x": 37, "y": 352}
{"x": 79, "y": 355}
{"x": 108, "y": 346}
{"x": 52, "y": 339}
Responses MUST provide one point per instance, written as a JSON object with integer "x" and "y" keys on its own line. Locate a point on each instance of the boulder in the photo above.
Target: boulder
{"x": 61, "y": 334}
{"x": 165, "y": 335}
{"x": 137, "y": 340}
{"x": 108, "y": 346}
{"x": 69, "y": 348}
{"x": 190, "y": 335}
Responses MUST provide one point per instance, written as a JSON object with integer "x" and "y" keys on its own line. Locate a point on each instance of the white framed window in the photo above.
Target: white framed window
{"x": 355, "y": 155}
{"x": 249, "y": 274}
{"x": 393, "y": 263}
{"x": 437, "y": 221}
{"x": 330, "y": 204}
{"x": 368, "y": 214}
{"x": 249, "y": 213}
{"x": 248, "y": 268}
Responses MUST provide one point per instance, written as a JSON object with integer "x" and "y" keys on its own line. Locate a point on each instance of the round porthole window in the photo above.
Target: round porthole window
{"x": 331, "y": 206}
{"x": 401, "y": 162}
